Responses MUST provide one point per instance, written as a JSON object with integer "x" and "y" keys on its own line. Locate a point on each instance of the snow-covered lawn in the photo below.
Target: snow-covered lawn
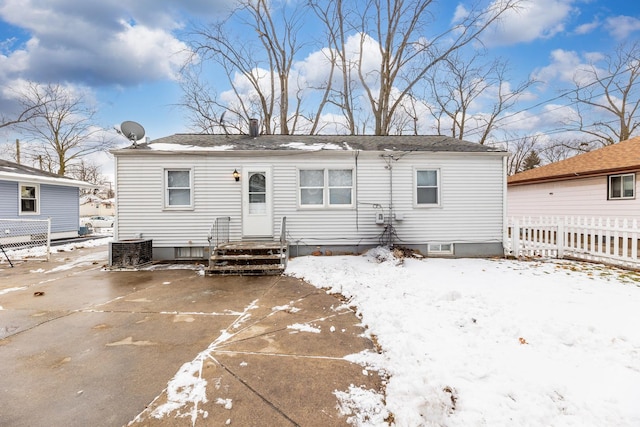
{"x": 476, "y": 342}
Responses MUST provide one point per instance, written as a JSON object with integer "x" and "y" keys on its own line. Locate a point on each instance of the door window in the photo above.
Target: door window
{"x": 257, "y": 193}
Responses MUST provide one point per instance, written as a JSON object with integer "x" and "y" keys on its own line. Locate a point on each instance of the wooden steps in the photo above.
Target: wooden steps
{"x": 257, "y": 258}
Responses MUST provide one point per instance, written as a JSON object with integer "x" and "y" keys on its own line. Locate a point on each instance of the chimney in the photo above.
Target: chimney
{"x": 254, "y": 128}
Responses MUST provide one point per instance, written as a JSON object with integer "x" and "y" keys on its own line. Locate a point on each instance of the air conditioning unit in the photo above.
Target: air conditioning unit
{"x": 130, "y": 253}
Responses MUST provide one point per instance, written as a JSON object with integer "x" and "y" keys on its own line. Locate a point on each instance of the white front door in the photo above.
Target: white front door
{"x": 257, "y": 216}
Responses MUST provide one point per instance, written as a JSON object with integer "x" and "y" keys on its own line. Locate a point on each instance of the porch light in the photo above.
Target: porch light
{"x": 236, "y": 175}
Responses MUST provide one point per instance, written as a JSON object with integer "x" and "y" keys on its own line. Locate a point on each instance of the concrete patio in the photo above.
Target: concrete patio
{"x": 81, "y": 345}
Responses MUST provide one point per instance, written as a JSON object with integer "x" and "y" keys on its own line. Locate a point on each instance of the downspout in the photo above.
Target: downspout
{"x": 115, "y": 185}
{"x": 505, "y": 227}
{"x": 390, "y": 221}
{"x": 357, "y": 153}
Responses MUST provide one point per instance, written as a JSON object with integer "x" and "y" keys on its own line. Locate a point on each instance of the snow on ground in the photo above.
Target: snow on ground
{"x": 41, "y": 251}
{"x": 477, "y": 342}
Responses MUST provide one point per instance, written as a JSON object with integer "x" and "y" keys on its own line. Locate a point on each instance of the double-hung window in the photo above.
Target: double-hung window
{"x": 178, "y": 188}
{"x": 29, "y": 199}
{"x": 622, "y": 186}
{"x": 326, "y": 187}
{"x": 427, "y": 187}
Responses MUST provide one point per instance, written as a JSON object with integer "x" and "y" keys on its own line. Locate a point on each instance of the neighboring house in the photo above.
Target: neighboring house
{"x": 29, "y": 193}
{"x": 345, "y": 194}
{"x": 91, "y": 205}
{"x": 600, "y": 183}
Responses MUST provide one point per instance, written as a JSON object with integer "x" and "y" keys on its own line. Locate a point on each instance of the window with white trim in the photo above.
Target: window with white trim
{"x": 427, "y": 187}
{"x": 29, "y": 199}
{"x": 326, "y": 187}
{"x": 622, "y": 186}
{"x": 178, "y": 188}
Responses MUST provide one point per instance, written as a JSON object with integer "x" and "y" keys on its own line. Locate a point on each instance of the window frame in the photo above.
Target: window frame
{"x": 438, "y": 187}
{"x": 37, "y": 198}
{"x": 437, "y": 249}
{"x": 166, "y": 189}
{"x": 326, "y": 189}
{"x": 621, "y": 176}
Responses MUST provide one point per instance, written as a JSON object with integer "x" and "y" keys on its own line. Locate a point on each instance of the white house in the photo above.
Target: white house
{"x": 345, "y": 194}
{"x": 91, "y": 205}
{"x": 601, "y": 183}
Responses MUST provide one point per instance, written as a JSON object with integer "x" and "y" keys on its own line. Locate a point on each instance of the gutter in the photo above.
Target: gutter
{"x": 574, "y": 175}
{"x": 35, "y": 179}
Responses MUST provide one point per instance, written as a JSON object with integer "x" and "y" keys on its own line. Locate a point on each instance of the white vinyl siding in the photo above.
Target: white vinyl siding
{"x": 575, "y": 197}
{"x": 471, "y": 197}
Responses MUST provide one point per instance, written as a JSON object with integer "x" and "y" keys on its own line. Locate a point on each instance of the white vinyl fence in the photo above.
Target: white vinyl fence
{"x": 612, "y": 241}
{"x": 18, "y": 235}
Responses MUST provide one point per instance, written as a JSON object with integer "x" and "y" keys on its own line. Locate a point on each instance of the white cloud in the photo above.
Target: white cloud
{"x": 567, "y": 66}
{"x": 621, "y": 27}
{"x": 587, "y": 28}
{"x": 554, "y": 115}
{"x": 460, "y": 14}
{"x": 539, "y": 19}
{"x": 95, "y": 44}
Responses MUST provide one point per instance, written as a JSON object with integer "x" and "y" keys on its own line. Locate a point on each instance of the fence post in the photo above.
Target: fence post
{"x": 560, "y": 238}
{"x": 515, "y": 239}
{"x": 48, "y": 238}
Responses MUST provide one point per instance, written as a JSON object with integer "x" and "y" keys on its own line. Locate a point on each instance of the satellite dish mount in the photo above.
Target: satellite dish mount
{"x": 133, "y": 131}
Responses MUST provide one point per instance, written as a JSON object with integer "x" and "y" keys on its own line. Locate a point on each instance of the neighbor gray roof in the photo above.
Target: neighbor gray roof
{"x": 432, "y": 143}
{"x": 15, "y": 172}
{"x": 7, "y": 166}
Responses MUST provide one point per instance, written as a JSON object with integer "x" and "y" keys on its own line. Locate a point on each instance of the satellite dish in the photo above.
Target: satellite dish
{"x": 132, "y": 130}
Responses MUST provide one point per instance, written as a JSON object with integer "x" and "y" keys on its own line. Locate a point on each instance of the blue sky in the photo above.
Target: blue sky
{"x": 128, "y": 56}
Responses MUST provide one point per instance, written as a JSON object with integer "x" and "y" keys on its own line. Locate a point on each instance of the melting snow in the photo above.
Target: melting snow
{"x": 470, "y": 342}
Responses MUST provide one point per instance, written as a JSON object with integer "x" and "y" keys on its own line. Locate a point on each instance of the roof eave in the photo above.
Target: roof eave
{"x": 65, "y": 182}
{"x": 575, "y": 175}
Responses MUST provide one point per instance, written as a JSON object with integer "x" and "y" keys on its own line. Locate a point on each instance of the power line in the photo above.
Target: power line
{"x": 478, "y": 129}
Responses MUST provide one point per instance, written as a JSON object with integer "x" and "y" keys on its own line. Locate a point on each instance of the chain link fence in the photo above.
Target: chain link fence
{"x": 25, "y": 238}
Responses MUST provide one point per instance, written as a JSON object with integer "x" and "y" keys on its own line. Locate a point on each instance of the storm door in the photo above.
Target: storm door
{"x": 257, "y": 217}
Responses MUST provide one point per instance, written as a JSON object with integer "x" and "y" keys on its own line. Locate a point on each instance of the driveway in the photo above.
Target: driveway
{"x": 81, "y": 345}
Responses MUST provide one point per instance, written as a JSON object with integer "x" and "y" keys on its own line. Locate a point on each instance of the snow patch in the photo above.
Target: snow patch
{"x": 6, "y": 291}
{"x": 303, "y": 327}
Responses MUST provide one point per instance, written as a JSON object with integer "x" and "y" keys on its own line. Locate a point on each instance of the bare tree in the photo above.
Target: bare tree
{"x": 458, "y": 82}
{"x": 263, "y": 56}
{"x": 519, "y": 150}
{"x": 559, "y": 149}
{"x": 607, "y": 99}
{"x": 62, "y": 129}
{"x": 88, "y": 171}
{"x": 332, "y": 15}
{"x": 206, "y": 112}
{"x": 405, "y": 52}
{"x": 25, "y": 109}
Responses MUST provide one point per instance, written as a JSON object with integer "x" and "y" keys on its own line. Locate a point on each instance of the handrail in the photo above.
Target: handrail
{"x": 283, "y": 242}
{"x": 219, "y": 232}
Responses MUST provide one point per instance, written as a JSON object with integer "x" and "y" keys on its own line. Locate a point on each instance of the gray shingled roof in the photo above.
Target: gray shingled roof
{"x": 433, "y": 143}
{"x": 11, "y": 167}
{"x": 10, "y": 170}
